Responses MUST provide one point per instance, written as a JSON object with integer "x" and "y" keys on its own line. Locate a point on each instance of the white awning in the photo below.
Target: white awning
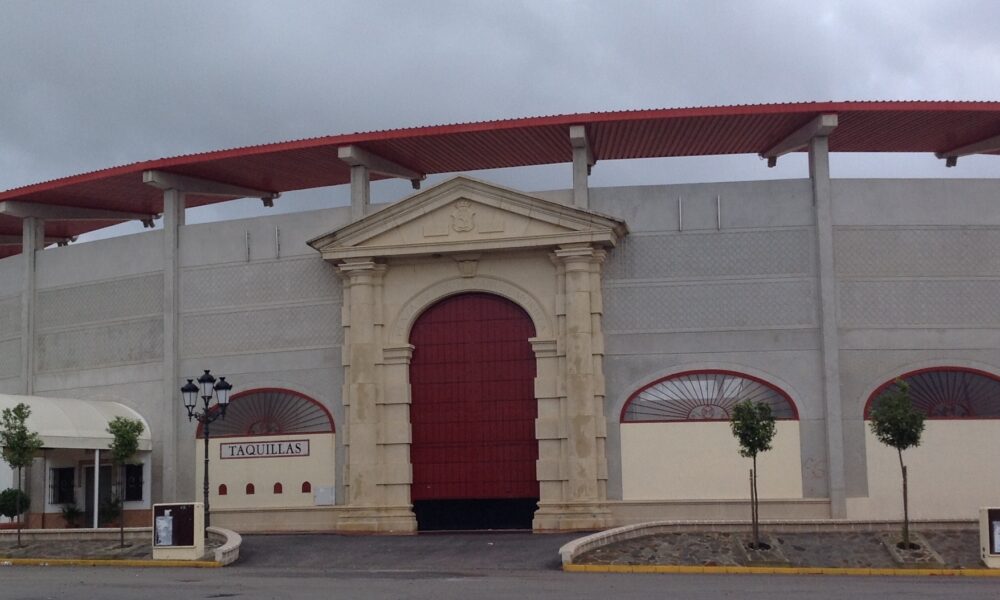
{"x": 71, "y": 423}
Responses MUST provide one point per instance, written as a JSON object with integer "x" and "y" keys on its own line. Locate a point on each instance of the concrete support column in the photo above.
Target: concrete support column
{"x": 376, "y": 465}
{"x": 819, "y": 173}
{"x": 165, "y": 453}
{"x": 97, "y": 488}
{"x": 360, "y": 192}
{"x": 583, "y": 159}
{"x": 584, "y": 491}
{"x": 32, "y": 240}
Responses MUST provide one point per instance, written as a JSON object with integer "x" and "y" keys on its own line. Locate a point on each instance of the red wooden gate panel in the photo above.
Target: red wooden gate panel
{"x": 473, "y": 408}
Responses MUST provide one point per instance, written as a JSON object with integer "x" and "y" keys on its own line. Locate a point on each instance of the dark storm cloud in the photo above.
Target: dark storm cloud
{"x": 88, "y": 85}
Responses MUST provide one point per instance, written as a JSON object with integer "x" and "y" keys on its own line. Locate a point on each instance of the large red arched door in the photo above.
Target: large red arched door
{"x": 473, "y": 415}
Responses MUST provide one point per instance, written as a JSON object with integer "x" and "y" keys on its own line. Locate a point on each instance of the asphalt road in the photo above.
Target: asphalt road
{"x": 440, "y": 568}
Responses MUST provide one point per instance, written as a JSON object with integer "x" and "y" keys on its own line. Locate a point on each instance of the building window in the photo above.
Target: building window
{"x": 307, "y": 487}
{"x": 948, "y": 393}
{"x": 277, "y": 488}
{"x": 62, "y": 486}
{"x": 250, "y": 489}
{"x": 133, "y": 483}
{"x": 703, "y": 396}
{"x": 223, "y": 490}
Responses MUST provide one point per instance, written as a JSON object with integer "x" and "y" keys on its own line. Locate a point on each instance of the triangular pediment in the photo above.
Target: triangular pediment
{"x": 467, "y": 215}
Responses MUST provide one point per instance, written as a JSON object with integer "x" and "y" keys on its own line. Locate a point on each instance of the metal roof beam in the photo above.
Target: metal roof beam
{"x": 990, "y": 144}
{"x": 356, "y": 156}
{"x": 11, "y": 240}
{"x": 820, "y": 126}
{"x": 163, "y": 180}
{"x": 56, "y": 212}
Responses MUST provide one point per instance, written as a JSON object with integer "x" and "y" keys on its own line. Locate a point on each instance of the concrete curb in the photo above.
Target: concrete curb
{"x": 569, "y": 551}
{"x": 105, "y": 562}
{"x": 855, "y": 571}
{"x": 225, "y": 555}
{"x": 229, "y": 551}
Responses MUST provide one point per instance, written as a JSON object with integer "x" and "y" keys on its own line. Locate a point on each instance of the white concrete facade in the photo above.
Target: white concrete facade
{"x": 754, "y": 278}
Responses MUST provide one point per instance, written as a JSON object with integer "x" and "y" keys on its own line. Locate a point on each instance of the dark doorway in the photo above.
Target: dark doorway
{"x": 473, "y": 415}
{"x": 462, "y": 515}
{"x": 104, "y": 492}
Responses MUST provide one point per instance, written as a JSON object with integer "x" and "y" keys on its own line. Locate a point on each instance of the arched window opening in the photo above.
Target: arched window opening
{"x": 703, "y": 396}
{"x": 277, "y": 488}
{"x": 223, "y": 490}
{"x": 307, "y": 487}
{"x": 271, "y": 411}
{"x": 947, "y": 393}
{"x": 250, "y": 489}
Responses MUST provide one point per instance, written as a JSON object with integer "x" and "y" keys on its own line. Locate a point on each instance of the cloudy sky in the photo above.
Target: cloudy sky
{"x": 89, "y": 85}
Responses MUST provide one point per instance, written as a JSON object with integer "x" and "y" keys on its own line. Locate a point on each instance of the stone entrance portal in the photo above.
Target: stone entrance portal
{"x": 493, "y": 251}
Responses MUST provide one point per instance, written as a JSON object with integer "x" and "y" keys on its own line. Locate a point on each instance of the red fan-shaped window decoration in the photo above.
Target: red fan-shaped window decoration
{"x": 250, "y": 489}
{"x": 277, "y": 488}
{"x": 307, "y": 487}
{"x": 223, "y": 490}
{"x": 272, "y": 412}
{"x": 948, "y": 393}
{"x": 703, "y": 396}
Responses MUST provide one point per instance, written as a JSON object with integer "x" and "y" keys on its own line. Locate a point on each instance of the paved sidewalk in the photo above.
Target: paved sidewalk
{"x": 427, "y": 553}
{"x": 957, "y": 549}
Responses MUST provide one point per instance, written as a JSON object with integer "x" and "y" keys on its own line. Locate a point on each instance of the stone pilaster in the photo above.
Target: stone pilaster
{"x": 376, "y": 464}
{"x": 583, "y": 465}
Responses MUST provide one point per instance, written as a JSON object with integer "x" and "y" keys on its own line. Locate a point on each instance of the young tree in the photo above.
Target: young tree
{"x": 896, "y": 423}
{"x": 123, "y": 446}
{"x": 19, "y": 447}
{"x": 753, "y": 426}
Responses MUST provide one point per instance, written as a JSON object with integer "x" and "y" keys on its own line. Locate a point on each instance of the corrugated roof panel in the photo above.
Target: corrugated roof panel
{"x": 694, "y": 131}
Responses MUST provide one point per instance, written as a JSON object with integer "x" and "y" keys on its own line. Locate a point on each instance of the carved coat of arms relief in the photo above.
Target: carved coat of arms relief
{"x": 463, "y": 217}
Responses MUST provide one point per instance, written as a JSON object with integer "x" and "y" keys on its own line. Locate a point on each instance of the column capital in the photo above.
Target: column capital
{"x": 353, "y": 268}
{"x": 578, "y": 255}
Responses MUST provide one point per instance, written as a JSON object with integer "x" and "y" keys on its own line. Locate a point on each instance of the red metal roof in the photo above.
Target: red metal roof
{"x": 935, "y": 126}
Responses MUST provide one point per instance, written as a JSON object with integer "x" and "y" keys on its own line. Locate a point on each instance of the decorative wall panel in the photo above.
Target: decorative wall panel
{"x": 925, "y": 303}
{"x": 716, "y": 254}
{"x": 103, "y": 301}
{"x": 118, "y": 344}
{"x": 927, "y": 251}
{"x": 259, "y": 283}
{"x": 776, "y": 303}
{"x": 283, "y": 328}
{"x": 10, "y": 358}
{"x": 10, "y": 317}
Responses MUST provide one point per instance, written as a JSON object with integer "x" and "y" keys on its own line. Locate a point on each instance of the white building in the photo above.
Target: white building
{"x": 476, "y": 356}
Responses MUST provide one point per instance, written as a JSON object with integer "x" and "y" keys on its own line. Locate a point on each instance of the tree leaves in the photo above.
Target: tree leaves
{"x": 126, "y": 434}
{"x": 18, "y": 443}
{"x": 894, "y": 420}
{"x": 753, "y": 425}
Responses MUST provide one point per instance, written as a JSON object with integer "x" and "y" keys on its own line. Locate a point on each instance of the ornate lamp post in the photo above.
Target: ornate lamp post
{"x": 205, "y": 387}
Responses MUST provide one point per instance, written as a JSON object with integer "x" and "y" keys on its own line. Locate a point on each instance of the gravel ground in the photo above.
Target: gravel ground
{"x": 957, "y": 549}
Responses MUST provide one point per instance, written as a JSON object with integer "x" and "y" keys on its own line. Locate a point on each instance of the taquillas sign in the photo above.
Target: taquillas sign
{"x": 277, "y": 448}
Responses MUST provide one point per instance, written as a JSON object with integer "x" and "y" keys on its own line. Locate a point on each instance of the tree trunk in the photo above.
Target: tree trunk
{"x": 906, "y": 505}
{"x": 17, "y": 505}
{"x": 121, "y": 505}
{"x": 756, "y": 506}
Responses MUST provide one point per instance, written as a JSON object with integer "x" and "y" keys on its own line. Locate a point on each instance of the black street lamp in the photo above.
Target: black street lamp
{"x": 205, "y": 387}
